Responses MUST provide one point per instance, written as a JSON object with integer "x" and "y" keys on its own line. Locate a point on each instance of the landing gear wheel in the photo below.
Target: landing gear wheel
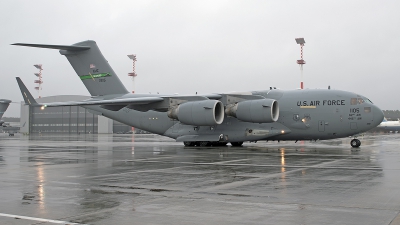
{"x": 219, "y": 143}
{"x": 237, "y": 144}
{"x": 204, "y": 143}
{"x": 189, "y": 143}
{"x": 355, "y": 143}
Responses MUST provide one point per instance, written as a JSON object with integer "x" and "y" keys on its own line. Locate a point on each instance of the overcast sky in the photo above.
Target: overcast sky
{"x": 208, "y": 46}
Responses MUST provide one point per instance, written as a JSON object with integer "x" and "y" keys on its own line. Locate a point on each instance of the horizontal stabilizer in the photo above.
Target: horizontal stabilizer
{"x": 5, "y": 101}
{"x": 61, "y": 47}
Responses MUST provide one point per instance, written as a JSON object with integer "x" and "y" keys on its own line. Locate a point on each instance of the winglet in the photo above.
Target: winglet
{"x": 28, "y": 98}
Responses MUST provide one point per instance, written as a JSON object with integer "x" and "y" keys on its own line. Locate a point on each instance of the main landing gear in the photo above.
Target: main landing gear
{"x": 355, "y": 143}
{"x": 210, "y": 143}
{"x": 236, "y": 144}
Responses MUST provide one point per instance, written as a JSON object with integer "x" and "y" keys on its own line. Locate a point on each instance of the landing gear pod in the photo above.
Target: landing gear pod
{"x": 199, "y": 113}
{"x": 255, "y": 111}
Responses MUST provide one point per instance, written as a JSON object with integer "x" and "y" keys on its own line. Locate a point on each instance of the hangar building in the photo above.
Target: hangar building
{"x": 66, "y": 119}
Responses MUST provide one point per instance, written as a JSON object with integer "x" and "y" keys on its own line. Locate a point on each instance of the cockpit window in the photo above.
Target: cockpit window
{"x": 358, "y": 101}
{"x": 368, "y": 101}
{"x": 353, "y": 101}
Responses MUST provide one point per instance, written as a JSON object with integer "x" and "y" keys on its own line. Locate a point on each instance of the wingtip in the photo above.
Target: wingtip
{"x": 28, "y": 98}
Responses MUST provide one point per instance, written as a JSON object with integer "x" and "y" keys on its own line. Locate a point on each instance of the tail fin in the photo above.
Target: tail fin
{"x": 4, "y": 103}
{"x": 28, "y": 98}
{"x": 91, "y": 67}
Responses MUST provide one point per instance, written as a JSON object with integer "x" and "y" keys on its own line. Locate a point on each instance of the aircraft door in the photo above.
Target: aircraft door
{"x": 321, "y": 126}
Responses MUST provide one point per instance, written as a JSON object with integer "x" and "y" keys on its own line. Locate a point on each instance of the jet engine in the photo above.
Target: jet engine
{"x": 255, "y": 111}
{"x": 199, "y": 113}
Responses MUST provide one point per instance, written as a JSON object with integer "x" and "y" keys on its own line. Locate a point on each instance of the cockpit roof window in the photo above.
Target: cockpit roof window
{"x": 368, "y": 101}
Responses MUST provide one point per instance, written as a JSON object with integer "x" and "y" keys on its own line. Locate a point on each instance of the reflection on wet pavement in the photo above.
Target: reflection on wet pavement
{"x": 148, "y": 179}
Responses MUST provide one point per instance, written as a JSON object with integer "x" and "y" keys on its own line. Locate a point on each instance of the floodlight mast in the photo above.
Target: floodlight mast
{"x": 133, "y": 74}
{"x": 301, "y": 61}
{"x": 39, "y": 76}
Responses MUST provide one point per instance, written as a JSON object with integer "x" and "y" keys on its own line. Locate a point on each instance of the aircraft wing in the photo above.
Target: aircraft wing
{"x": 122, "y": 101}
{"x": 138, "y": 102}
{"x": 141, "y": 103}
{"x": 29, "y": 100}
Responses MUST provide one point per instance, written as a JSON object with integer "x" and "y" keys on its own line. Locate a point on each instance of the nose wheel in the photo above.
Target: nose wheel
{"x": 355, "y": 143}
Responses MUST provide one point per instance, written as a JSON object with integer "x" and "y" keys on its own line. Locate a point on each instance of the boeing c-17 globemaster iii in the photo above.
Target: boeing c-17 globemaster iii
{"x": 216, "y": 119}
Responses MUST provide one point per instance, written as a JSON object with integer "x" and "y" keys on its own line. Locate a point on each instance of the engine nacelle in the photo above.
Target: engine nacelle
{"x": 255, "y": 111}
{"x": 199, "y": 113}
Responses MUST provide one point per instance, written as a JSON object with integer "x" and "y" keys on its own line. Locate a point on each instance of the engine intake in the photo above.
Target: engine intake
{"x": 199, "y": 113}
{"x": 255, "y": 111}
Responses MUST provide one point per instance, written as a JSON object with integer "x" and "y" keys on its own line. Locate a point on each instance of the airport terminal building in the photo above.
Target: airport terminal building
{"x": 66, "y": 119}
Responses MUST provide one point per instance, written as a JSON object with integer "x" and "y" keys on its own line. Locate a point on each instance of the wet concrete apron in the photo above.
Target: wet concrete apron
{"x": 148, "y": 179}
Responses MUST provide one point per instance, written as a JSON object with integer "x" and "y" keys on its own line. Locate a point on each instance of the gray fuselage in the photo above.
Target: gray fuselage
{"x": 308, "y": 114}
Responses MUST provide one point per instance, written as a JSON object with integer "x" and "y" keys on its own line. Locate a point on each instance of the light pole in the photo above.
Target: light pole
{"x": 301, "y": 61}
{"x": 39, "y": 76}
{"x": 133, "y": 74}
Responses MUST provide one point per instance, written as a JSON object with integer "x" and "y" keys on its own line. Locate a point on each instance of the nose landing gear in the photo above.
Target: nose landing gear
{"x": 355, "y": 143}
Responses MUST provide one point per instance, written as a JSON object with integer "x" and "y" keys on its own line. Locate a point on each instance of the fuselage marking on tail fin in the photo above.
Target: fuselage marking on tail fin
{"x": 85, "y": 77}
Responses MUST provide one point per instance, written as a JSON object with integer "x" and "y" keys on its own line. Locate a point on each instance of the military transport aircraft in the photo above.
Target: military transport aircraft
{"x": 4, "y": 103}
{"x": 216, "y": 119}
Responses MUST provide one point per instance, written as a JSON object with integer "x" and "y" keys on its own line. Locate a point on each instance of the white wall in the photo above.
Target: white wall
{"x": 104, "y": 125}
{"x": 24, "y": 120}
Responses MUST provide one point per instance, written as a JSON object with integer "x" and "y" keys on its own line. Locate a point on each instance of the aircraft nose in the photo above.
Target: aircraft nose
{"x": 378, "y": 115}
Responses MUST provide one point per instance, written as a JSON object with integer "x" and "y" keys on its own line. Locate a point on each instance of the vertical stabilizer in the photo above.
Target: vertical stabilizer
{"x": 91, "y": 67}
{"x": 94, "y": 70}
{"x": 4, "y": 103}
